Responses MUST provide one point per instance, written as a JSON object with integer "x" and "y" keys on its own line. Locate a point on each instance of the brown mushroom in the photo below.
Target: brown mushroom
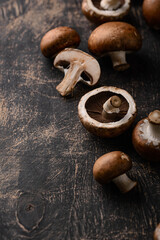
{"x": 105, "y": 10}
{"x": 113, "y": 167}
{"x": 146, "y": 137}
{"x": 156, "y": 235}
{"x": 74, "y": 63}
{"x": 115, "y": 39}
{"x": 58, "y": 39}
{"x": 101, "y": 117}
{"x": 151, "y": 13}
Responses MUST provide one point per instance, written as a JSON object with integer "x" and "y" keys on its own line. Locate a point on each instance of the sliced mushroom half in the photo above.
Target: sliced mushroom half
{"x": 107, "y": 111}
{"x": 100, "y": 11}
{"x": 76, "y": 64}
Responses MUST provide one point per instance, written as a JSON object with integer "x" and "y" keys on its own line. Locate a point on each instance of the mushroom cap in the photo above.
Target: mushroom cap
{"x": 110, "y": 166}
{"x": 157, "y": 233}
{"x": 151, "y": 13}
{"x": 109, "y": 129}
{"x": 99, "y": 15}
{"x": 58, "y": 39}
{"x": 114, "y": 36}
{"x": 147, "y": 148}
{"x": 75, "y": 56}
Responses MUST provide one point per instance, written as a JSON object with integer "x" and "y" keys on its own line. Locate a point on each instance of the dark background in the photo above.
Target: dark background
{"x": 47, "y": 190}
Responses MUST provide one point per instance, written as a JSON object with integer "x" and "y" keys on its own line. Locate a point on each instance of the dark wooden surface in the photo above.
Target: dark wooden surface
{"x": 47, "y": 190}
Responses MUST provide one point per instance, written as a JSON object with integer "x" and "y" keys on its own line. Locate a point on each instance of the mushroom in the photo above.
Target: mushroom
{"x": 115, "y": 39}
{"x": 156, "y": 235}
{"x": 151, "y": 13}
{"x": 105, "y": 10}
{"x": 113, "y": 167}
{"x": 146, "y": 137}
{"x": 58, "y": 39}
{"x": 77, "y": 66}
{"x": 107, "y": 111}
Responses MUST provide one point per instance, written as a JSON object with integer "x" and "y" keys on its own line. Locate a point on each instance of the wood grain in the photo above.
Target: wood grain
{"x": 47, "y": 190}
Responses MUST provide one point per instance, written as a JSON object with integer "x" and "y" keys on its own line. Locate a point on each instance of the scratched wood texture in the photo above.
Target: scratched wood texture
{"x": 47, "y": 190}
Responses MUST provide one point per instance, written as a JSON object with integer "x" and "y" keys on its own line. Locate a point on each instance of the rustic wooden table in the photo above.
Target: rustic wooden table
{"x": 47, "y": 190}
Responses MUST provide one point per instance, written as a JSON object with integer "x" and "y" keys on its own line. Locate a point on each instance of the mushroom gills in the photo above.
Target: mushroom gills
{"x": 94, "y": 107}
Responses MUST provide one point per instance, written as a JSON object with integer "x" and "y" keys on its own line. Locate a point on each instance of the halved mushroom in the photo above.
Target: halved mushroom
{"x": 58, "y": 39}
{"x": 107, "y": 111}
{"x": 157, "y": 233}
{"x": 105, "y": 10}
{"x": 74, "y": 63}
{"x": 115, "y": 39}
{"x": 146, "y": 137}
{"x": 151, "y": 13}
{"x": 113, "y": 167}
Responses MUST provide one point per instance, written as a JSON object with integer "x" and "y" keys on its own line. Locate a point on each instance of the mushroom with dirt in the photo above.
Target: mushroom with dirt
{"x": 107, "y": 111}
{"x": 146, "y": 137}
{"x": 58, "y": 39}
{"x": 151, "y": 13}
{"x": 77, "y": 66}
{"x": 156, "y": 235}
{"x": 113, "y": 167}
{"x": 105, "y": 10}
{"x": 115, "y": 39}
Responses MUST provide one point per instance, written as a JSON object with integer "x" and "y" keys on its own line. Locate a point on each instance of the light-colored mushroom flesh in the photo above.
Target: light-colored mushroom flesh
{"x": 150, "y": 129}
{"x": 110, "y": 4}
{"x": 119, "y": 60}
{"x": 111, "y": 106}
{"x": 78, "y": 62}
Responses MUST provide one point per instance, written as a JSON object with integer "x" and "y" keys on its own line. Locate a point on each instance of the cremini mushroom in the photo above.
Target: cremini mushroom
{"x": 146, "y": 137}
{"x": 113, "y": 167}
{"x": 115, "y": 39}
{"x": 151, "y": 13}
{"x": 105, "y": 10}
{"x": 77, "y": 66}
{"x": 58, "y": 39}
{"x": 107, "y": 111}
{"x": 156, "y": 235}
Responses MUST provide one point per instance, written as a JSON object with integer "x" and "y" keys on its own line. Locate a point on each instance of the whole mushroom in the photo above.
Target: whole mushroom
{"x": 157, "y": 233}
{"x": 113, "y": 167}
{"x": 115, "y": 39}
{"x": 105, "y": 10}
{"x": 77, "y": 66}
{"x": 151, "y": 13}
{"x": 58, "y": 39}
{"x": 146, "y": 137}
{"x": 107, "y": 111}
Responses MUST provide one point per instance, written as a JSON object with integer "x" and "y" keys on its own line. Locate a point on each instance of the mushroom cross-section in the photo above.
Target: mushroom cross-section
{"x": 107, "y": 111}
{"x": 115, "y": 39}
{"x": 105, "y": 10}
{"x": 146, "y": 137}
{"x": 76, "y": 63}
{"x": 113, "y": 167}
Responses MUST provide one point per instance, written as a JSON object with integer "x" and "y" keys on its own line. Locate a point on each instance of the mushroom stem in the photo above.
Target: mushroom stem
{"x": 119, "y": 60}
{"x": 110, "y": 4}
{"x": 153, "y": 128}
{"x": 111, "y": 106}
{"x": 72, "y": 76}
{"x": 124, "y": 183}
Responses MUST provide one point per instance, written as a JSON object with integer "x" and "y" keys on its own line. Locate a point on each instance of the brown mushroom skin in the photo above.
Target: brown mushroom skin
{"x": 115, "y": 31}
{"x": 156, "y": 235}
{"x": 58, "y": 39}
{"x": 99, "y": 18}
{"x": 110, "y": 166}
{"x": 145, "y": 150}
{"x": 151, "y": 13}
